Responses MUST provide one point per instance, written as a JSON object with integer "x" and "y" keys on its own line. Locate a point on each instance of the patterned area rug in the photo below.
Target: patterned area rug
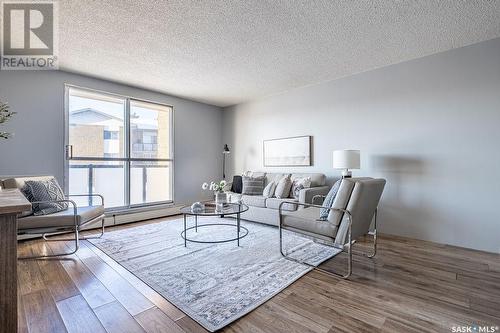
{"x": 214, "y": 284}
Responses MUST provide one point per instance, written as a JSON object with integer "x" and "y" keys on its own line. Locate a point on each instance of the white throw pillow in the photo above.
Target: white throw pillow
{"x": 283, "y": 188}
{"x": 269, "y": 190}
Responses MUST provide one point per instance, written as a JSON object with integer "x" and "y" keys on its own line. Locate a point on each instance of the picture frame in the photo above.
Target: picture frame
{"x": 288, "y": 152}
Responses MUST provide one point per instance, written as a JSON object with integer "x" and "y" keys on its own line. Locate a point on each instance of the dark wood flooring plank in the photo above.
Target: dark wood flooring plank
{"x": 89, "y": 286}
{"x": 188, "y": 325}
{"x": 164, "y": 305}
{"x": 22, "y": 325}
{"x": 41, "y": 313}
{"x": 78, "y": 317}
{"x": 155, "y": 321}
{"x": 29, "y": 275}
{"x": 115, "y": 319}
{"x": 120, "y": 288}
{"x": 55, "y": 278}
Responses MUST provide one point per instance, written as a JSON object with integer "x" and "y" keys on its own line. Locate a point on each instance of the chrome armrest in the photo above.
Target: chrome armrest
{"x": 318, "y": 196}
{"x": 345, "y": 211}
{"x": 88, "y": 195}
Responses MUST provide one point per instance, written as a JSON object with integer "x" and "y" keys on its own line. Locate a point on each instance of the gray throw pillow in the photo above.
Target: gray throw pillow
{"x": 329, "y": 199}
{"x": 44, "y": 190}
{"x": 283, "y": 188}
{"x": 253, "y": 185}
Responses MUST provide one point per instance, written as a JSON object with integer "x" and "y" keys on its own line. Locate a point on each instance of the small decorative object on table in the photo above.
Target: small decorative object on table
{"x": 197, "y": 207}
{"x": 220, "y": 195}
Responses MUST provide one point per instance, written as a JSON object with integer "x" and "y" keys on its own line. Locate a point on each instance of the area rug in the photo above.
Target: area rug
{"x": 214, "y": 284}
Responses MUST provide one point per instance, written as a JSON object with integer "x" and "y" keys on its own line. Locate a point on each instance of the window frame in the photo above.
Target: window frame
{"x": 127, "y": 160}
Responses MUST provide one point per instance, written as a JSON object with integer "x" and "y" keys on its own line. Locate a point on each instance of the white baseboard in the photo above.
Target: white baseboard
{"x": 117, "y": 219}
{"x": 122, "y": 218}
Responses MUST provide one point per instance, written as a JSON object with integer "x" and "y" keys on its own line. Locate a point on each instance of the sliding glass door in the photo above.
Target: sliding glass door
{"x": 119, "y": 147}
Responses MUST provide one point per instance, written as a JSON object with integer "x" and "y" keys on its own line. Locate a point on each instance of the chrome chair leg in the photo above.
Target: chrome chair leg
{"x": 349, "y": 255}
{"x": 44, "y": 236}
{"x": 48, "y": 256}
{"x": 374, "y": 252}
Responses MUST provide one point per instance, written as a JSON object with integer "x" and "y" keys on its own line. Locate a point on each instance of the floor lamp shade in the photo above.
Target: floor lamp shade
{"x": 346, "y": 159}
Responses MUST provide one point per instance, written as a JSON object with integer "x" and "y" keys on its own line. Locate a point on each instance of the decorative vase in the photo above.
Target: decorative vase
{"x": 220, "y": 200}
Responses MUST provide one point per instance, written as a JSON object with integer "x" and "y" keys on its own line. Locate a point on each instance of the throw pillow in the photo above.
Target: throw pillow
{"x": 44, "y": 190}
{"x": 269, "y": 190}
{"x": 299, "y": 184}
{"x": 237, "y": 185}
{"x": 283, "y": 188}
{"x": 329, "y": 199}
{"x": 252, "y": 185}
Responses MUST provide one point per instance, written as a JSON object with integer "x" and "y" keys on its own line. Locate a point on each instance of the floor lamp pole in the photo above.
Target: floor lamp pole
{"x": 223, "y": 166}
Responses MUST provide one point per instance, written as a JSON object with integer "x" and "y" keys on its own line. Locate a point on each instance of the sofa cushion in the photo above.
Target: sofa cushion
{"x": 61, "y": 219}
{"x": 307, "y": 220}
{"x": 253, "y": 185}
{"x": 275, "y": 177}
{"x": 254, "y": 174}
{"x": 317, "y": 179}
{"x": 274, "y": 203}
{"x": 254, "y": 200}
{"x": 18, "y": 182}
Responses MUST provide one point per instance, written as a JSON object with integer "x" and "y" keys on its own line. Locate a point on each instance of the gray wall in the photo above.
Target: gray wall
{"x": 430, "y": 126}
{"x": 37, "y": 147}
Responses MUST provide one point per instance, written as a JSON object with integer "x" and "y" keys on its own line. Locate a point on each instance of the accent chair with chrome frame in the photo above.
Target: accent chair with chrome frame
{"x": 350, "y": 217}
{"x": 72, "y": 219}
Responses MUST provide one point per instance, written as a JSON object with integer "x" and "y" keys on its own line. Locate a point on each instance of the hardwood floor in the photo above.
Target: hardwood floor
{"x": 410, "y": 286}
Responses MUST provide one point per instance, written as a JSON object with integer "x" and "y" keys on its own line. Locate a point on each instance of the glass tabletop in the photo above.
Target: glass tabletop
{"x": 211, "y": 209}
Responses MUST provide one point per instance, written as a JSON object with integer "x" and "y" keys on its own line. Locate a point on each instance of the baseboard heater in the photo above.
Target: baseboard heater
{"x": 123, "y": 217}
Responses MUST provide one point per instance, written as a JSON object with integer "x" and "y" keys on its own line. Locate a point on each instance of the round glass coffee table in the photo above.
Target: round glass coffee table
{"x": 210, "y": 210}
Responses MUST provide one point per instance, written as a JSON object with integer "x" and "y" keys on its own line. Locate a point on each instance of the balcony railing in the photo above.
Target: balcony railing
{"x": 93, "y": 168}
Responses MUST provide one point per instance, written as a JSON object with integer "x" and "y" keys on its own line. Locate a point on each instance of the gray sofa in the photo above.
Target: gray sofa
{"x": 266, "y": 210}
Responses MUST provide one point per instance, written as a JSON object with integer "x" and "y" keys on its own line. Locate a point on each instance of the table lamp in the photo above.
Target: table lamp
{"x": 345, "y": 160}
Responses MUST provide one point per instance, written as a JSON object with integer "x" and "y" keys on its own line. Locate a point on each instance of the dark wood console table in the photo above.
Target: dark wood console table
{"x": 12, "y": 202}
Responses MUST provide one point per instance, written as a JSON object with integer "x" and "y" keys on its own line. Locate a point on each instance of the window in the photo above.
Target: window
{"x": 110, "y": 135}
{"x": 119, "y": 147}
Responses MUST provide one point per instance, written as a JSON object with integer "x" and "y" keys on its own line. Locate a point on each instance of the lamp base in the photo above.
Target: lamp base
{"x": 346, "y": 173}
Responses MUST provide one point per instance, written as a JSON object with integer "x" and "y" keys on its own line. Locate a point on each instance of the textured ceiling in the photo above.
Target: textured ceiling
{"x": 228, "y": 52}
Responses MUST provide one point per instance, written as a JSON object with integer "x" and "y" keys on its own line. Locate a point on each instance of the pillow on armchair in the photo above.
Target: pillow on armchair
{"x": 44, "y": 190}
{"x": 329, "y": 199}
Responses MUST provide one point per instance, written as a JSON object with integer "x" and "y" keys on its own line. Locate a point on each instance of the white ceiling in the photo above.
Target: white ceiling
{"x": 228, "y": 52}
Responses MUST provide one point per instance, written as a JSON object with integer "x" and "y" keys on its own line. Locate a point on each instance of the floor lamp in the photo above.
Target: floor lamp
{"x": 225, "y": 152}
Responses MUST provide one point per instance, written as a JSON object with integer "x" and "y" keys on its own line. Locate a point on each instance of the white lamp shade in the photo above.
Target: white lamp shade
{"x": 346, "y": 159}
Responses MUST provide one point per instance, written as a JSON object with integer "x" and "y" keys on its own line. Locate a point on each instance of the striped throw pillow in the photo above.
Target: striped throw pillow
{"x": 253, "y": 185}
